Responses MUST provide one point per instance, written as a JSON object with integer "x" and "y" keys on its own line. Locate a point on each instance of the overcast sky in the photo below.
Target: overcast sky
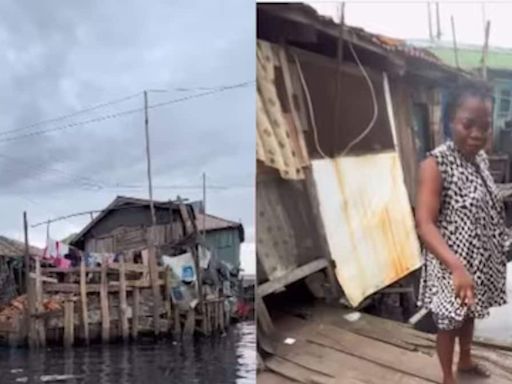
{"x": 60, "y": 57}
{"x": 410, "y": 20}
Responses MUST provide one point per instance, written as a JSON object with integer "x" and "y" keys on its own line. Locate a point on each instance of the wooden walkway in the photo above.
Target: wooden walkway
{"x": 328, "y": 348}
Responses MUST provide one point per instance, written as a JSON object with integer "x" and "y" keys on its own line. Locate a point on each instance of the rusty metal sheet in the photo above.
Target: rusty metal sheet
{"x": 368, "y": 221}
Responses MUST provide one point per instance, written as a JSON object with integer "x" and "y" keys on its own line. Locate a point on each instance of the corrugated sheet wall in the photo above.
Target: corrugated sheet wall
{"x": 226, "y": 245}
{"x": 368, "y": 221}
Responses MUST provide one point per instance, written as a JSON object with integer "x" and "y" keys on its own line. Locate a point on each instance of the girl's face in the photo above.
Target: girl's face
{"x": 471, "y": 125}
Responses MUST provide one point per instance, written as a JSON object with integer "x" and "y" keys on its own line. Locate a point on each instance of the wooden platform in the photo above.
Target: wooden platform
{"x": 327, "y": 348}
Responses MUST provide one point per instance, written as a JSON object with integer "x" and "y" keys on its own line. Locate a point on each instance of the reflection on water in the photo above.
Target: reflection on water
{"x": 220, "y": 360}
{"x": 499, "y": 324}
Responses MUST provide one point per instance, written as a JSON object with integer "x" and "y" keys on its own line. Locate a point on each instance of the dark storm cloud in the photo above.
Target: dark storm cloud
{"x": 59, "y": 57}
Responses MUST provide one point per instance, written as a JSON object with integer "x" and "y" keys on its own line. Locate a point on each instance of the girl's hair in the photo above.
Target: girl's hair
{"x": 461, "y": 92}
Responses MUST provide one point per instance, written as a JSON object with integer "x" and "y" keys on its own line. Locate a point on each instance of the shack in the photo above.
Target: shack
{"x": 223, "y": 237}
{"x": 343, "y": 118}
{"x": 124, "y": 225}
{"x": 12, "y": 279}
{"x": 122, "y": 277}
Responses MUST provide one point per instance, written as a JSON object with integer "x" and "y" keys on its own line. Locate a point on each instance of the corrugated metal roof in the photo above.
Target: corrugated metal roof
{"x": 306, "y": 14}
{"x": 371, "y": 236}
{"x": 14, "y": 248}
{"x": 213, "y": 222}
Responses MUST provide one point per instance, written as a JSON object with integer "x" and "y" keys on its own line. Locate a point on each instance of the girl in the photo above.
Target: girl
{"x": 461, "y": 222}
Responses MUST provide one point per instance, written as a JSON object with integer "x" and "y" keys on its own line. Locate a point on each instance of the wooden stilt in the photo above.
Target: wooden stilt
{"x": 123, "y": 315}
{"x": 177, "y": 322}
{"x": 69, "y": 323}
{"x": 190, "y": 323}
{"x": 40, "y": 328}
{"x": 105, "y": 313}
{"x": 83, "y": 301}
{"x": 153, "y": 274}
{"x": 167, "y": 297}
{"x": 135, "y": 313}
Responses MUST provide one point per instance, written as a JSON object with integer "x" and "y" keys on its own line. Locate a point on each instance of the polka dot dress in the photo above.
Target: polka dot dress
{"x": 472, "y": 222}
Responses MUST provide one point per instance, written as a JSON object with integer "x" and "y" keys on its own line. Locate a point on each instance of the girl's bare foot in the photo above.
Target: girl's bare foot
{"x": 449, "y": 380}
{"x": 475, "y": 370}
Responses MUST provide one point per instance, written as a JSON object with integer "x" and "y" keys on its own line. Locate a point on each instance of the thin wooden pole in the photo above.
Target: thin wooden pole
{"x": 485, "y": 52}
{"x": 69, "y": 323}
{"x": 105, "y": 314}
{"x": 430, "y": 31}
{"x": 167, "y": 297}
{"x": 177, "y": 322}
{"x": 135, "y": 312}
{"x": 83, "y": 300}
{"x": 27, "y": 252}
{"x": 204, "y": 207}
{"x": 153, "y": 274}
{"x": 455, "y": 49}
{"x": 148, "y": 158}
{"x": 438, "y": 19}
{"x": 122, "y": 300}
{"x": 41, "y": 331}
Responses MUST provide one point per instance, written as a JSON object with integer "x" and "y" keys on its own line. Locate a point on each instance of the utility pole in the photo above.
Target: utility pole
{"x": 27, "y": 253}
{"x": 204, "y": 207}
{"x": 486, "y": 50}
{"x": 438, "y": 18}
{"x": 148, "y": 159}
{"x": 455, "y": 50}
{"x": 430, "y": 31}
{"x": 153, "y": 265}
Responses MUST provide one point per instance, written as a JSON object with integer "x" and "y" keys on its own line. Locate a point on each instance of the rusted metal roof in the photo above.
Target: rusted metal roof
{"x": 14, "y": 248}
{"x": 305, "y": 14}
{"x": 368, "y": 221}
{"x": 214, "y": 223}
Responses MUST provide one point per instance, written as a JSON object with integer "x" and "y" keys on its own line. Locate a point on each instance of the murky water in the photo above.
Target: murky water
{"x": 220, "y": 360}
{"x": 499, "y": 324}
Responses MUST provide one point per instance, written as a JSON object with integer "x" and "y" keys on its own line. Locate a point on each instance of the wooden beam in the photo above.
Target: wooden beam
{"x": 83, "y": 300}
{"x": 69, "y": 323}
{"x": 113, "y": 286}
{"x": 167, "y": 296}
{"x": 40, "y": 328}
{"x": 263, "y": 317}
{"x": 190, "y": 323}
{"x": 105, "y": 315}
{"x": 177, "y": 321}
{"x": 44, "y": 279}
{"x": 189, "y": 226}
{"x": 112, "y": 267}
{"x": 31, "y": 311}
{"x": 123, "y": 301}
{"x": 135, "y": 313}
{"x": 291, "y": 277}
{"x": 155, "y": 287}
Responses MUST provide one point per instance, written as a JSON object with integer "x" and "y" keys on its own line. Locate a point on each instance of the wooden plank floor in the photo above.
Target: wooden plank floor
{"x": 330, "y": 349}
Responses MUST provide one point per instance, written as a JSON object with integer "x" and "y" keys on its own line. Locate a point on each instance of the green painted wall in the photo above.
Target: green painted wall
{"x": 226, "y": 244}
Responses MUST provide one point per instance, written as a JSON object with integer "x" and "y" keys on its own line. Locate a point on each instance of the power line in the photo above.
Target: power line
{"x": 114, "y": 115}
{"x": 98, "y": 184}
{"x": 72, "y": 114}
{"x": 85, "y": 181}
